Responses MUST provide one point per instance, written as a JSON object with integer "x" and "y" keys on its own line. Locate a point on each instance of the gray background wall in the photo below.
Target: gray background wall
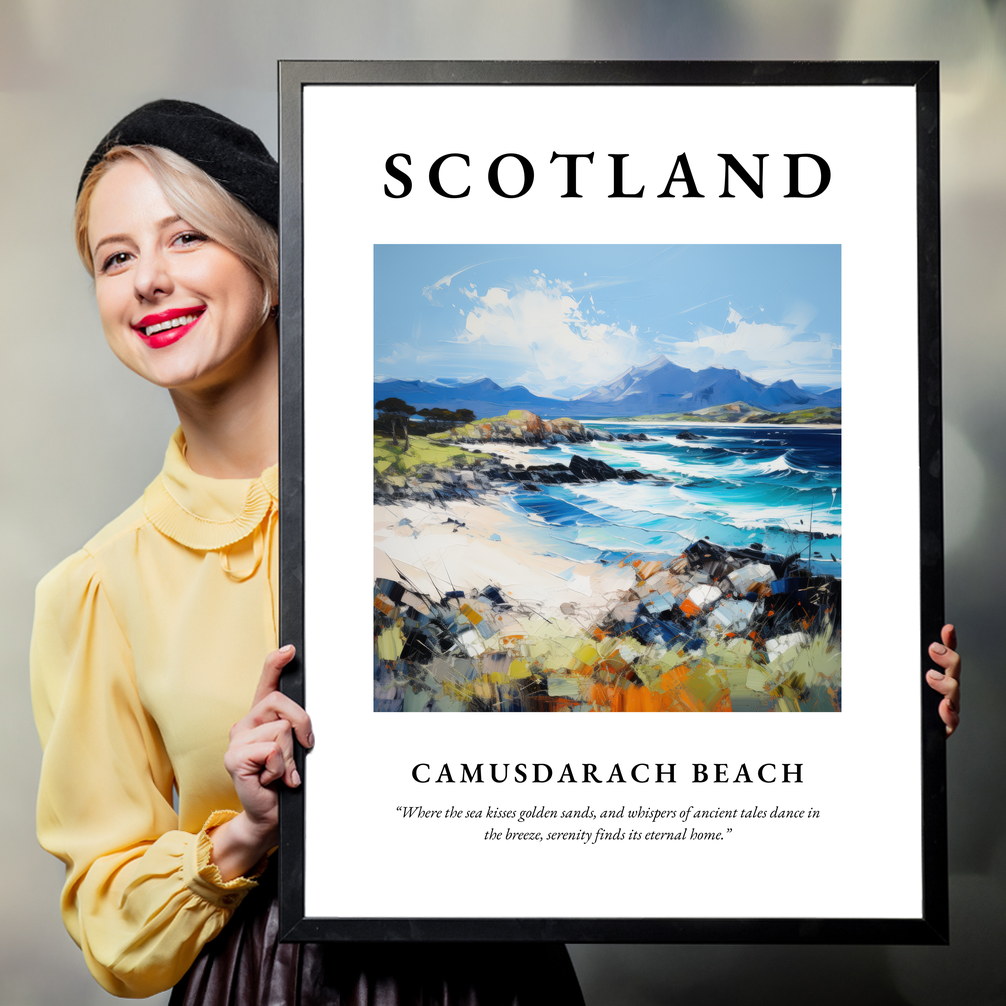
{"x": 81, "y": 436}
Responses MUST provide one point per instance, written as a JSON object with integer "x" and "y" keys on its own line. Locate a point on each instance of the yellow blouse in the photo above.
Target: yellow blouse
{"x": 147, "y": 647}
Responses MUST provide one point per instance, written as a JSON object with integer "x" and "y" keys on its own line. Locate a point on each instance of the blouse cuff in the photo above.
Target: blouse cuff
{"x": 202, "y": 876}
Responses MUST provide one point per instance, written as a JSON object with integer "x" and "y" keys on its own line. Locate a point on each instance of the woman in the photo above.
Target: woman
{"x": 149, "y": 642}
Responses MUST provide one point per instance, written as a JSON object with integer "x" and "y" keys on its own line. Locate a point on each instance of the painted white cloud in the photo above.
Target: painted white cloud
{"x": 430, "y": 291}
{"x": 766, "y": 351}
{"x": 556, "y": 338}
{"x": 401, "y": 351}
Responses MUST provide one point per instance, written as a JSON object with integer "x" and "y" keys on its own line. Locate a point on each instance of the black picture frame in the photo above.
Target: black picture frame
{"x": 932, "y": 926}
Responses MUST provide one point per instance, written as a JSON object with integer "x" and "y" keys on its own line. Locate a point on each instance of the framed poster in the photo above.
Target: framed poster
{"x": 612, "y": 388}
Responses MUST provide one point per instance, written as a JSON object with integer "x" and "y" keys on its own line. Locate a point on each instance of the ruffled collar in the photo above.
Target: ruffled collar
{"x": 203, "y": 513}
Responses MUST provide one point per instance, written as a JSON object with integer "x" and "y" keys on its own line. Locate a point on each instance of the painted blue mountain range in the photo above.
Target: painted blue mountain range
{"x": 659, "y": 386}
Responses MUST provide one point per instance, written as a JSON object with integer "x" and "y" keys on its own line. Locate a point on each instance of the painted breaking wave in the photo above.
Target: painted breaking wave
{"x": 781, "y": 488}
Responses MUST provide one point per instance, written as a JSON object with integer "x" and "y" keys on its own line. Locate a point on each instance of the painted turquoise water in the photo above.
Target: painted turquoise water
{"x": 776, "y": 486}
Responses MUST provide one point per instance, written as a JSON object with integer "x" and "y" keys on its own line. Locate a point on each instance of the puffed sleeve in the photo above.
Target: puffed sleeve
{"x": 141, "y": 898}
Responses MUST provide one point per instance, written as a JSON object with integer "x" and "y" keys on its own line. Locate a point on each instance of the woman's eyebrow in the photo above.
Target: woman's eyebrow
{"x": 109, "y": 240}
{"x": 160, "y": 225}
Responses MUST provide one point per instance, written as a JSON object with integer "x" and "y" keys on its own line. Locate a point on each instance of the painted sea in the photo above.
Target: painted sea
{"x": 739, "y": 485}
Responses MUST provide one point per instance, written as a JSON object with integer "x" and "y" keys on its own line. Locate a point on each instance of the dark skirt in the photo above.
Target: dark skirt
{"x": 246, "y": 965}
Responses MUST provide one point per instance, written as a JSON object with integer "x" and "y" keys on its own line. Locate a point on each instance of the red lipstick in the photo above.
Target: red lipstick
{"x": 166, "y": 327}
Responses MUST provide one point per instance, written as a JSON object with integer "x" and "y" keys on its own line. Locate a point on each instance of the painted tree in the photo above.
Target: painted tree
{"x": 395, "y": 408}
{"x": 441, "y": 419}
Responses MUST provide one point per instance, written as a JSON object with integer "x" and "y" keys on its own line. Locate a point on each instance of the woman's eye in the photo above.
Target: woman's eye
{"x": 114, "y": 261}
{"x": 190, "y": 238}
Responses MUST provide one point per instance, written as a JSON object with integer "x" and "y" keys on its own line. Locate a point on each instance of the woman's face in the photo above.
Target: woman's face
{"x": 177, "y": 308}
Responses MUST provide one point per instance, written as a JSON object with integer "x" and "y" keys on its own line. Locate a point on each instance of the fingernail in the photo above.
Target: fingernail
{"x": 295, "y": 777}
{"x": 286, "y": 649}
{"x": 938, "y": 648}
{"x": 310, "y": 740}
{"x": 936, "y": 675}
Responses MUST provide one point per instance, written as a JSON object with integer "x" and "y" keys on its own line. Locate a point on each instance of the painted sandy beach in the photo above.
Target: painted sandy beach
{"x": 480, "y": 605}
{"x": 672, "y": 548}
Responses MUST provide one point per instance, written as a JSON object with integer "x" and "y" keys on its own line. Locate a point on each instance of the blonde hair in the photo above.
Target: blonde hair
{"x": 199, "y": 200}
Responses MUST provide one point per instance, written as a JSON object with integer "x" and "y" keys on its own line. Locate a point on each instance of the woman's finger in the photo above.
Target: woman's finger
{"x": 945, "y": 685}
{"x": 950, "y": 689}
{"x": 273, "y": 766}
{"x": 278, "y": 732}
{"x": 261, "y": 760}
{"x": 950, "y": 715}
{"x": 275, "y": 706}
{"x": 949, "y": 636}
{"x": 948, "y": 659}
{"x": 271, "y": 671}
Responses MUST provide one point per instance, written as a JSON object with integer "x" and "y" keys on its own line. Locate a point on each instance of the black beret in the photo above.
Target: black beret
{"x": 230, "y": 154}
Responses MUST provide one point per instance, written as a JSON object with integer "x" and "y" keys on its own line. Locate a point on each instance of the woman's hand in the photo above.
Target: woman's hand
{"x": 948, "y": 681}
{"x": 260, "y": 753}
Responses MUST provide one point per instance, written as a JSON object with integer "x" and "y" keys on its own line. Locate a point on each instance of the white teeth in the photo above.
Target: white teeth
{"x": 174, "y": 323}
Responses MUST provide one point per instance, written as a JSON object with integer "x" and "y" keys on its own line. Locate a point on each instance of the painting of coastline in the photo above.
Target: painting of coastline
{"x": 607, "y": 478}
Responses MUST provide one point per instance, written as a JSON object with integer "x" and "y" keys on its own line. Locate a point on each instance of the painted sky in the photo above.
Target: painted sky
{"x": 559, "y": 319}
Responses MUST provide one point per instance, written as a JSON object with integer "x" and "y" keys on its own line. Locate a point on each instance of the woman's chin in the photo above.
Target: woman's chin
{"x": 172, "y": 374}
{"x": 197, "y": 365}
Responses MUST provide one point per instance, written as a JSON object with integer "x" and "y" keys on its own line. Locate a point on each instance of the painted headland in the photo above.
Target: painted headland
{"x": 607, "y": 478}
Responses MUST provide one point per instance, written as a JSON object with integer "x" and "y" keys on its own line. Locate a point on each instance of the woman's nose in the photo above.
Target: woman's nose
{"x": 152, "y": 277}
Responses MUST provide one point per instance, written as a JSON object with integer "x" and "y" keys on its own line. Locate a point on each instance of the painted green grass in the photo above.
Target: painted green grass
{"x": 392, "y": 459}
